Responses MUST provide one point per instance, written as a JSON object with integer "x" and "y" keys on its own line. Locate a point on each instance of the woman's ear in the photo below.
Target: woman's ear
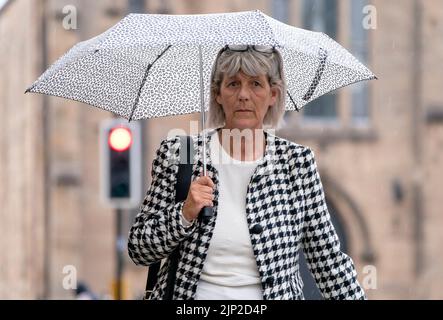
{"x": 274, "y": 95}
{"x": 218, "y": 99}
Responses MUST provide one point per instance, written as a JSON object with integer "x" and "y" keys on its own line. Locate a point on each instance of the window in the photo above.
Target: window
{"x": 280, "y": 10}
{"x": 359, "y": 47}
{"x": 321, "y": 15}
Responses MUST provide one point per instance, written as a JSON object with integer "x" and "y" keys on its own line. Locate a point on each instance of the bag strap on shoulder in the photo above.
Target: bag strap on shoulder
{"x": 184, "y": 177}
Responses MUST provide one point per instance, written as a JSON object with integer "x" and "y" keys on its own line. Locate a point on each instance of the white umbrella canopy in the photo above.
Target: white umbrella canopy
{"x": 149, "y": 65}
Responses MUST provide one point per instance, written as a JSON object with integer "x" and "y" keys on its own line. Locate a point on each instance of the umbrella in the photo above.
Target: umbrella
{"x": 155, "y": 65}
{"x": 148, "y": 65}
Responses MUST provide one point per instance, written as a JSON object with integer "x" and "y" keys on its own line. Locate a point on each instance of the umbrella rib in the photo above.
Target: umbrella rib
{"x": 292, "y": 100}
{"x": 323, "y": 54}
{"x": 144, "y": 80}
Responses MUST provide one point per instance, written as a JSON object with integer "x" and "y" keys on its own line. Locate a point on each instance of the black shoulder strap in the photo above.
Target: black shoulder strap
{"x": 184, "y": 177}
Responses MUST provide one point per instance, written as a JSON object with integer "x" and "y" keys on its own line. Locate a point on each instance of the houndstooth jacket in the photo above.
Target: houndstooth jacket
{"x": 286, "y": 210}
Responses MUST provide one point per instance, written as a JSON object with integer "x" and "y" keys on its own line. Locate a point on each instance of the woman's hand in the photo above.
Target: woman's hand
{"x": 201, "y": 194}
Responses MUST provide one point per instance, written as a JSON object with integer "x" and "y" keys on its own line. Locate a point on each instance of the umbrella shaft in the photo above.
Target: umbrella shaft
{"x": 202, "y": 107}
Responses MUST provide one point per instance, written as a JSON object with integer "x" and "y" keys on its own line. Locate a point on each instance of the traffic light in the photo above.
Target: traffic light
{"x": 120, "y": 141}
{"x": 121, "y": 163}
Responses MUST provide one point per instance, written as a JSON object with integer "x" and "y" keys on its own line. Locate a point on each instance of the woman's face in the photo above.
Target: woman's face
{"x": 245, "y": 100}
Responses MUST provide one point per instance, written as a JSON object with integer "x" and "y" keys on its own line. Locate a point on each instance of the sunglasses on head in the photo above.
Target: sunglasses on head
{"x": 243, "y": 48}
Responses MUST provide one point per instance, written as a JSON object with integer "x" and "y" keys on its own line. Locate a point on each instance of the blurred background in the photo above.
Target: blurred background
{"x": 378, "y": 145}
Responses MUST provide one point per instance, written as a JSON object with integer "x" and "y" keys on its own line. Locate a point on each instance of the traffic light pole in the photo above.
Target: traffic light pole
{"x": 121, "y": 168}
{"x": 119, "y": 243}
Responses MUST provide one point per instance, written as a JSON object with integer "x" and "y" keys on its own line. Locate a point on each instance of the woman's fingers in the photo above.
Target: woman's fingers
{"x": 197, "y": 195}
{"x": 206, "y": 189}
{"x": 209, "y": 197}
{"x": 201, "y": 194}
{"x": 206, "y": 181}
{"x": 206, "y": 203}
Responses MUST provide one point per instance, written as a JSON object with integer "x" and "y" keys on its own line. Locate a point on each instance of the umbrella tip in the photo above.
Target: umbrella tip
{"x": 30, "y": 88}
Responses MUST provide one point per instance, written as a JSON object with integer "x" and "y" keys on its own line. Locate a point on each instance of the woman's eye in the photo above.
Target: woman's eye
{"x": 231, "y": 84}
{"x": 257, "y": 83}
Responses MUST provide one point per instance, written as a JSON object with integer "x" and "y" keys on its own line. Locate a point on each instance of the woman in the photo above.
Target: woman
{"x": 266, "y": 194}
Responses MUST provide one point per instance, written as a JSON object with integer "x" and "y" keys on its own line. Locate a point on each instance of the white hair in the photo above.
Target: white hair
{"x": 252, "y": 63}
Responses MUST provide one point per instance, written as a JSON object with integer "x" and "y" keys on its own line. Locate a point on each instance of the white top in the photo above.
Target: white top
{"x": 230, "y": 271}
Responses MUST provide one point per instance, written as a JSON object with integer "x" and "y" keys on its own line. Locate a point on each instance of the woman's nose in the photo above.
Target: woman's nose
{"x": 244, "y": 93}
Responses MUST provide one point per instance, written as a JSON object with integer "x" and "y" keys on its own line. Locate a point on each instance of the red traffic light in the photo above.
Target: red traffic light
{"x": 120, "y": 138}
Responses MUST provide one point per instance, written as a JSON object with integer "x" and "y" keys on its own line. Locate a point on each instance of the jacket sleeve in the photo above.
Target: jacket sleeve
{"x": 333, "y": 270}
{"x": 158, "y": 229}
